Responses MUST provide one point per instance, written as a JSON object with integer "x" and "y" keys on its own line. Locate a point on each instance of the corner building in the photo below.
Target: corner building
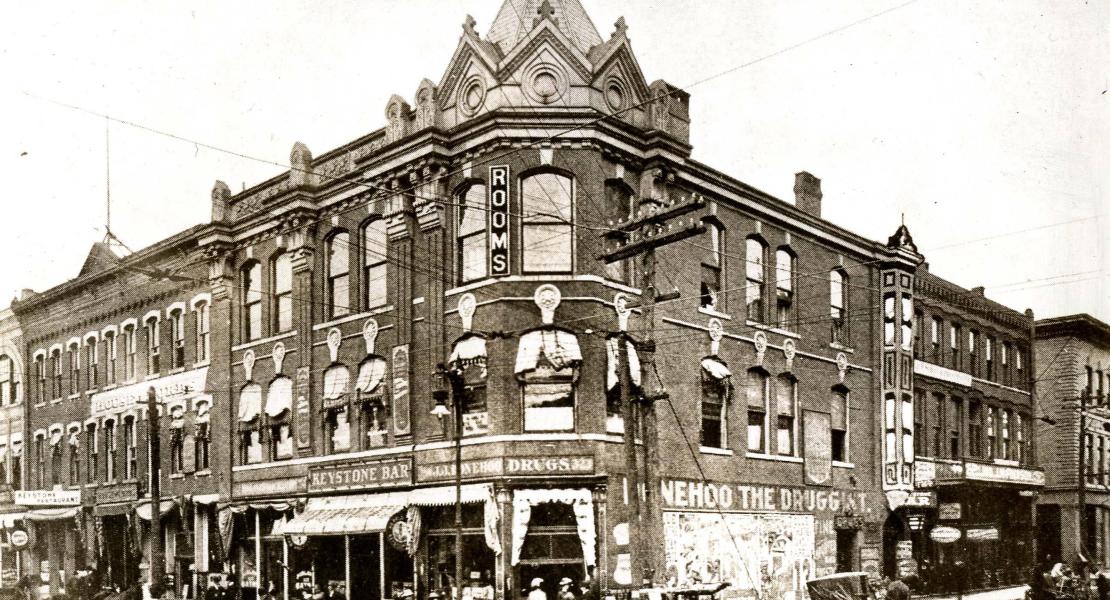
{"x": 96, "y": 345}
{"x": 466, "y": 233}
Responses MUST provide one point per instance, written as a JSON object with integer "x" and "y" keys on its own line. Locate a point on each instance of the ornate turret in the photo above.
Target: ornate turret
{"x": 517, "y": 18}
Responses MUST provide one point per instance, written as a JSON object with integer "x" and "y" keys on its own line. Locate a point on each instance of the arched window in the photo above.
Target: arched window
{"x": 202, "y": 327}
{"x": 152, "y": 353}
{"x": 838, "y": 306}
{"x": 282, "y": 272}
{"x": 375, "y": 240}
{"x": 110, "y": 358}
{"x": 618, "y": 207}
{"x": 56, "y": 359}
{"x": 252, "y": 301}
{"x": 74, "y": 368}
{"x": 756, "y": 392}
{"x": 339, "y": 276}
{"x": 547, "y": 207}
{"x": 754, "y": 261}
{"x": 784, "y": 288}
{"x": 711, "y": 266}
{"x": 131, "y": 448}
{"x": 472, "y": 243}
{"x": 40, "y": 376}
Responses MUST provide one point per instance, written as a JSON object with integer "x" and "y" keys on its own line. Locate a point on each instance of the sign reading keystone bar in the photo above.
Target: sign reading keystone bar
{"x": 509, "y": 465}
{"x": 385, "y": 473}
{"x": 170, "y": 387}
{"x": 48, "y": 497}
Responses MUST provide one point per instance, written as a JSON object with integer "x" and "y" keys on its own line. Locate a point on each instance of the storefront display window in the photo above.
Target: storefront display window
{"x": 478, "y": 558}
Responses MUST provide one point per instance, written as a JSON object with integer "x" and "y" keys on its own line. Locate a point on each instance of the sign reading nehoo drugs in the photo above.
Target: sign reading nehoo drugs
{"x": 499, "y": 220}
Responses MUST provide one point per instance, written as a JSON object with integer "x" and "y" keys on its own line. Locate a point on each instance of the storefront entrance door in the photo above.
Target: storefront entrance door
{"x": 365, "y": 568}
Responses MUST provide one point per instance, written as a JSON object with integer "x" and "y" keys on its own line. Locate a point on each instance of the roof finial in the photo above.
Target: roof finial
{"x": 468, "y": 26}
{"x": 621, "y": 27}
{"x": 546, "y": 11}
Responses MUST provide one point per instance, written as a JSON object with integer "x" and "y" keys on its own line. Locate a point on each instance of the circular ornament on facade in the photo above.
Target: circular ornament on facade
{"x": 18, "y": 538}
{"x": 841, "y": 361}
{"x": 545, "y": 83}
{"x": 760, "y": 340}
{"x": 471, "y": 95}
{"x": 614, "y": 95}
{"x": 547, "y": 298}
{"x": 278, "y": 354}
{"x": 370, "y": 334}
{"x": 788, "y": 349}
{"x": 248, "y": 364}
{"x": 398, "y": 531}
{"x": 716, "y": 330}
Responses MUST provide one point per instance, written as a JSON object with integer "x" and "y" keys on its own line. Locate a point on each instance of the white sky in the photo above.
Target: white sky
{"x": 974, "y": 119}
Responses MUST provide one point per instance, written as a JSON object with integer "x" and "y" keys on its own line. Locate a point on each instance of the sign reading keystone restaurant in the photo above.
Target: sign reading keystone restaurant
{"x": 385, "y": 473}
{"x": 509, "y": 465}
{"x": 170, "y": 387}
{"x": 48, "y": 497}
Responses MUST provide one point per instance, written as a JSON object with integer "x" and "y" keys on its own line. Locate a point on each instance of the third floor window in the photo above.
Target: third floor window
{"x": 374, "y": 266}
{"x": 283, "y": 292}
{"x": 547, "y": 207}
{"x": 472, "y": 246}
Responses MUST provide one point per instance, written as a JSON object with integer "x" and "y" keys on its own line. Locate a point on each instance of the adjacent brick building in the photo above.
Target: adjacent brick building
{"x": 12, "y": 547}
{"x": 1073, "y": 354}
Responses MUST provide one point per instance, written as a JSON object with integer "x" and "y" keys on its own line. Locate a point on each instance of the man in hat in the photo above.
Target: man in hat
{"x": 536, "y": 589}
{"x": 564, "y": 589}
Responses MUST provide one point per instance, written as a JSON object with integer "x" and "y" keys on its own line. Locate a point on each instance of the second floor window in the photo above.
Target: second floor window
{"x": 991, "y": 438}
{"x": 177, "y": 450}
{"x": 472, "y": 245}
{"x": 283, "y": 292}
{"x": 838, "y": 425}
{"x": 954, "y": 337}
{"x": 934, "y": 337}
{"x": 252, "y": 301}
{"x": 975, "y": 430}
{"x": 711, "y": 266}
{"x": 56, "y": 358}
{"x": 374, "y": 266}
{"x": 92, "y": 462}
{"x": 153, "y": 364}
{"x": 74, "y": 369}
{"x": 202, "y": 326}
{"x": 110, "y": 358}
{"x": 339, "y": 274}
{"x": 786, "y": 398}
{"x": 838, "y": 306}
{"x": 988, "y": 356}
{"x": 1019, "y": 427}
{"x": 714, "y": 403}
{"x": 129, "y": 352}
{"x": 7, "y": 381}
{"x": 784, "y": 288}
{"x": 953, "y": 423}
{"x": 1007, "y": 449}
{"x": 110, "y": 451}
{"x": 754, "y": 262}
{"x": 130, "y": 466}
{"x": 177, "y": 334}
{"x": 337, "y": 429}
{"x": 92, "y": 363}
{"x": 755, "y": 390}
{"x": 972, "y": 353}
{"x": 547, "y": 214}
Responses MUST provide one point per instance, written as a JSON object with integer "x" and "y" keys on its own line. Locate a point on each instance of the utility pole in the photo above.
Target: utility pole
{"x": 655, "y": 224}
{"x": 154, "y": 469}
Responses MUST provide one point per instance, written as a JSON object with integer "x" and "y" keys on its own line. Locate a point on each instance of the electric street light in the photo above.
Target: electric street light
{"x": 445, "y": 392}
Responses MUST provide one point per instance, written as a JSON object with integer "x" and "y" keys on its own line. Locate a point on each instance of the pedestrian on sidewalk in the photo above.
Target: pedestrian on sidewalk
{"x": 898, "y": 590}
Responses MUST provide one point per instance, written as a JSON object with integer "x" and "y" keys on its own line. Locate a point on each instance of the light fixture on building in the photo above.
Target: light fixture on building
{"x": 917, "y": 522}
{"x": 440, "y": 387}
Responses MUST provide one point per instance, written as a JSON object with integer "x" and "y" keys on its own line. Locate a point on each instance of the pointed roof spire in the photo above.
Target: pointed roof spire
{"x": 517, "y": 18}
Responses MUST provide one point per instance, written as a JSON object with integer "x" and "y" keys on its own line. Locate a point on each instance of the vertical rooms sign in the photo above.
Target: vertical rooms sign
{"x": 499, "y": 220}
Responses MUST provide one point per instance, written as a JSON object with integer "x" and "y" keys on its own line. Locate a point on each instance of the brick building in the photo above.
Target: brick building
{"x": 96, "y": 345}
{"x": 12, "y": 545}
{"x": 1073, "y": 354}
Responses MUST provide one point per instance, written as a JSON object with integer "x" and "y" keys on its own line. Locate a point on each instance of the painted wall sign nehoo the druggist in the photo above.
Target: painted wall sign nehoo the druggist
{"x": 499, "y": 220}
{"x": 741, "y": 497}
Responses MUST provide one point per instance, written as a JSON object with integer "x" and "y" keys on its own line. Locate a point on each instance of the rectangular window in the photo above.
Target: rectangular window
{"x": 200, "y": 448}
{"x": 74, "y": 460}
{"x": 920, "y": 438}
{"x": 754, "y": 268}
{"x": 784, "y": 289}
{"x": 283, "y": 292}
{"x": 252, "y": 301}
{"x": 338, "y": 432}
{"x": 785, "y": 400}
{"x": 714, "y": 395}
{"x": 975, "y": 430}
{"x": 129, "y": 353}
{"x": 375, "y": 240}
{"x": 92, "y": 469}
{"x": 92, "y": 363}
{"x": 1089, "y": 459}
{"x": 918, "y": 331}
{"x": 1004, "y": 376}
{"x": 56, "y": 464}
{"x": 110, "y": 361}
{"x": 839, "y": 425}
{"x": 711, "y": 265}
{"x": 177, "y": 451}
{"x": 130, "y": 467}
{"x": 549, "y": 399}
{"x": 756, "y": 393}
{"x": 934, "y": 336}
{"x": 110, "y": 451}
{"x": 1007, "y": 449}
{"x": 74, "y": 369}
{"x": 954, "y": 338}
{"x": 57, "y": 359}
{"x": 281, "y": 442}
{"x": 250, "y": 446}
{"x": 470, "y": 227}
{"x": 937, "y": 417}
{"x": 988, "y": 356}
{"x": 838, "y": 303}
{"x": 546, "y": 223}
{"x": 152, "y": 354}
{"x": 992, "y": 447}
{"x": 177, "y": 333}
{"x": 1019, "y": 365}
{"x": 972, "y": 357}
{"x": 953, "y": 421}
{"x": 889, "y": 317}
{"x": 6, "y": 372}
{"x": 40, "y": 372}
{"x": 374, "y": 431}
{"x": 202, "y": 327}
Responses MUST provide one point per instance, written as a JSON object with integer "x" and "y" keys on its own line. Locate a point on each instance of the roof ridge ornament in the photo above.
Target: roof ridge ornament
{"x": 468, "y": 27}
{"x": 545, "y": 11}
{"x": 621, "y": 28}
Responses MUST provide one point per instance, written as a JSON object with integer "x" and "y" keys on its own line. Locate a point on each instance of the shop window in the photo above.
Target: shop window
{"x": 618, "y": 208}
{"x": 338, "y": 430}
{"x": 975, "y": 430}
{"x": 472, "y": 241}
{"x": 715, "y": 389}
{"x": 614, "y": 407}
{"x": 547, "y": 368}
{"x": 92, "y": 455}
{"x": 92, "y": 363}
{"x": 129, "y": 350}
{"x": 712, "y": 265}
{"x": 954, "y": 337}
{"x": 202, "y": 438}
{"x": 74, "y": 356}
{"x": 838, "y": 424}
{"x": 251, "y": 277}
{"x": 7, "y": 395}
{"x": 786, "y": 399}
{"x": 547, "y": 217}
{"x": 838, "y": 306}
{"x": 755, "y": 389}
{"x": 177, "y": 338}
{"x": 754, "y": 263}
{"x": 130, "y": 467}
{"x": 110, "y": 359}
{"x": 991, "y": 437}
{"x": 152, "y": 352}
{"x": 281, "y": 273}
{"x": 440, "y": 539}
{"x": 110, "y": 451}
{"x": 374, "y": 266}
{"x": 202, "y": 326}
{"x": 920, "y": 447}
{"x": 56, "y": 358}
{"x": 953, "y": 422}
{"x": 784, "y": 288}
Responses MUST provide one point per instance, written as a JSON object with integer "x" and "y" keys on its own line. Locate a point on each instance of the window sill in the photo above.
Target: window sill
{"x": 775, "y": 457}
{"x": 713, "y": 313}
{"x": 39, "y": 404}
{"x": 151, "y": 376}
{"x": 204, "y": 473}
{"x": 74, "y": 396}
{"x": 842, "y": 348}
{"x": 177, "y": 476}
{"x": 717, "y": 451}
{"x": 56, "y": 401}
{"x": 176, "y": 370}
{"x": 763, "y": 327}
{"x": 92, "y": 485}
{"x": 843, "y": 465}
{"x": 377, "y": 310}
{"x": 203, "y": 363}
{"x": 91, "y": 391}
{"x": 110, "y": 386}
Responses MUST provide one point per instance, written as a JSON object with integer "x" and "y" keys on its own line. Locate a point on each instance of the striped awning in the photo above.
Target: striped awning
{"x": 337, "y": 518}
{"x": 8, "y": 520}
{"x": 52, "y": 514}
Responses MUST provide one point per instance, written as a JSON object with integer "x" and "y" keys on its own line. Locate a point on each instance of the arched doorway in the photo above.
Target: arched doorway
{"x": 894, "y": 530}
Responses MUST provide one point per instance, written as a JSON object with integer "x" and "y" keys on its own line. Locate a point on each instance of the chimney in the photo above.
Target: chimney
{"x": 807, "y": 193}
{"x": 979, "y": 291}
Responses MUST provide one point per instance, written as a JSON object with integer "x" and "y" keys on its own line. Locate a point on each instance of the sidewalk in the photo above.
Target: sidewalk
{"x": 1016, "y": 592}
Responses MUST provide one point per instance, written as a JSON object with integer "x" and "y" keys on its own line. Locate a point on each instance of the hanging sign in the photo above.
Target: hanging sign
{"x": 18, "y": 538}
{"x": 499, "y": 220}
{"x": 945, "y": 535}
{"x": 304, "y": 409}
{"x": 401, "y": 424}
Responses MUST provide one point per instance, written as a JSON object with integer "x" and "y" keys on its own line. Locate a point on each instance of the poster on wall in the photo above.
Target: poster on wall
{"x": 304, "y": 409}
{"x": 401, "y": 425}
{"x": 818, "y": 448}
{"x": 765, "y": 555}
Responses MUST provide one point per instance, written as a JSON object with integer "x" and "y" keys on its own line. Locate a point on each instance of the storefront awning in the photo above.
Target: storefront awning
{"x": 143, "y": 510}
{"x": 250, "y": 402}
{"x": 467, "y": 350}
{"x": 613, "y": 378}
{"x": 370, "y": 375}
{"x": 336, "y": 518}
{"x": 112, "y": 510}
{"x": 52, "y": 514}
{"x": 8, "y": 520}
{"x": 280, "y": 397}
{"x": 715, "y": 368}
{"x": 559, "y": 347}
{"x": 336, "y": 380}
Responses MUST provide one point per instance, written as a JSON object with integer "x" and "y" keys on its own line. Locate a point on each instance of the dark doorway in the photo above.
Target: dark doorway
{"x": 846, "y": 550}
{"x": 893, "y": 532}
{"x": 1048, "y": 532}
